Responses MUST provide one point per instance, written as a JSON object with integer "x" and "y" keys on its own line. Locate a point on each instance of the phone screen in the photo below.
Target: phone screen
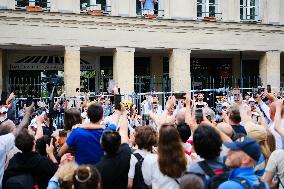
{"x": 269, "y": 88}
{"x": 117, "y": 101}
{"x": 145, "y": 119}
{"x": 180, "y": 95}
{"x": 199, "y": 115}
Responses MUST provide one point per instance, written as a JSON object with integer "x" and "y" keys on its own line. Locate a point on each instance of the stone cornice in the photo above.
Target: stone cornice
{"x": 129, "y": 24}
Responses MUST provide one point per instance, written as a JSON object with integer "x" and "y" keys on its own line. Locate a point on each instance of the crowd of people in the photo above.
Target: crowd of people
{"x": 186, "y": 145}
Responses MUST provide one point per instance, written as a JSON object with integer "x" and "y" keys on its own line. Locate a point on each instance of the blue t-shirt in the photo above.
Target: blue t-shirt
{"x": 149, "y": 5}
{"x": 86, "y": 144}
{"x": 244, "y": 173}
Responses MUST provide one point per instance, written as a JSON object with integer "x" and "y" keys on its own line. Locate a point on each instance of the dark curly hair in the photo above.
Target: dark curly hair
{"x": 145, "y": 138}
{"x": 207, "y": 142}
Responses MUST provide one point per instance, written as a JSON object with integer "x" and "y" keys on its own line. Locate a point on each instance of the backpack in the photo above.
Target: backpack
{"x": 138, "y": 181}
{"x": 24, "y": 181}
{"x": 216, "y": 177}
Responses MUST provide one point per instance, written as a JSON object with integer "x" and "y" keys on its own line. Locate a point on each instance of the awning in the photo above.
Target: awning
{"x": 46, "y": 63}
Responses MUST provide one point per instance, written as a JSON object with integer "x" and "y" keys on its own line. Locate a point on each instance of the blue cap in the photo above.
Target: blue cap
{"x": 111, "y": 127}
{"x": 247, "y": 145}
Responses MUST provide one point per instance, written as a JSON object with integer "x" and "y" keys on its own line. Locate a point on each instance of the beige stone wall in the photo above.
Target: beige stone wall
{"x": 71, "y": 70}
{"x": 230, "y": 10}
{"x": 183, "y": 9}
{"x": 270, "y": 11}
{"x": 112, "y": 32}
{"x": 123, "y": 69}
{"x": 65, "y": 6}
{"x": 179, "y": 70}
{"x": 269, "y": 69}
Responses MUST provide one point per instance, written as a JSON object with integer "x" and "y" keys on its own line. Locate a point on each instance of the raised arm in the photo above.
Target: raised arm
{"x": 123, "y": 129}
{"x": 277, "y": 118}
{"x": 26, "y": 120}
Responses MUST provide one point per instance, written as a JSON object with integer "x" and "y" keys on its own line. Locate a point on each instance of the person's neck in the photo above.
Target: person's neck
{"x": 233, "y": 123}
{"x": 96, "y": 123}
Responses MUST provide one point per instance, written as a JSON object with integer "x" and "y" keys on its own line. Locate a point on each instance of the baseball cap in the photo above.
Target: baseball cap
{"x": 111, "y": 127}
{"x": 247, "y": 145}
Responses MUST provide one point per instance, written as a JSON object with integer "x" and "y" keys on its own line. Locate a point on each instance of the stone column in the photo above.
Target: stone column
{"x": 123, "y": 69}
{"x": 71, "y": 70}
{"x": 157, "y": 71}
{"x": 179, "y": 70}
{"x": 269, "y": 69}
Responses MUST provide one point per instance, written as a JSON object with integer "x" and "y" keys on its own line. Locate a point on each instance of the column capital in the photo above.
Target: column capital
{"x": 181, "y": 50}
{"x": 72, "y": 48}
{"x": 124, "y": 49}
{"x": 273, "y": 51}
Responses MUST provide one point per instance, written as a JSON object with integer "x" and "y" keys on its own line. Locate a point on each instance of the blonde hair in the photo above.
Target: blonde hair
{"x": 260, "y": 134}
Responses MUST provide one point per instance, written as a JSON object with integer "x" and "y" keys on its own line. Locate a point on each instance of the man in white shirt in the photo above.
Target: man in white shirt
{"x": 7, "y": 141}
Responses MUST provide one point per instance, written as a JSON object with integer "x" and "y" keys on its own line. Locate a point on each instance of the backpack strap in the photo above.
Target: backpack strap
{"x": 245, "y": 183}
{"x": 138, "y": 156}
{"x": 205, "y": 167}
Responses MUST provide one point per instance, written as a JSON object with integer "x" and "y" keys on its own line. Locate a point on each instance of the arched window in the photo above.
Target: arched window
{"x": 249, "y": 10}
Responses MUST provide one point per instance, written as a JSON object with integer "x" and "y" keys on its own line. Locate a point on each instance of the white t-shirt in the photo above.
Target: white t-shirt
{"x": 7, "y": 142}
{"x": 278, "y": 139}
{"x": 134, "y": 160}
{"x": 153, "y": 176}
{"x": 275, "y": 164}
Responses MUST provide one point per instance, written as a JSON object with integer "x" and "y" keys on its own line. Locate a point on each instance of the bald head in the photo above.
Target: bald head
{"x": 225, "y": 128}
{"x": 180, "y": 117}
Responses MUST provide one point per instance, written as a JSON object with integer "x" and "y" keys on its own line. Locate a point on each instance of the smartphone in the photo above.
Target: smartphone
{"x": 252, "y": 105}
{"x": 117, "y": 101}
{"x": 145, "y": 119}
{"x": 29, "y": 101}
{"x": 179, "y": 96}
{"x": 199, "y": 115}
{"x": 219, "y": 108}
{"x": 269, "y": 88}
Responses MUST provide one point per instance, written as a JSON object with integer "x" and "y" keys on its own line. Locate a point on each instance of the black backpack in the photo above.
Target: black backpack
{"x": 214, "y": 179}
{"x": 138, "y": 181}
{"x": 24, "y": 181}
